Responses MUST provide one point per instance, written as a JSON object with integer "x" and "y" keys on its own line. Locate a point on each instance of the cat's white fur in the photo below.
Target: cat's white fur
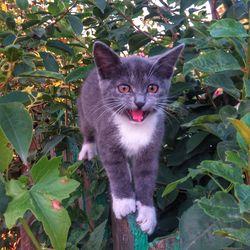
{"x": 146, "y": 218}
{"x": 123, "y": 207}
{"x": 135, "y": 135}
{"x": 88, "y": 151}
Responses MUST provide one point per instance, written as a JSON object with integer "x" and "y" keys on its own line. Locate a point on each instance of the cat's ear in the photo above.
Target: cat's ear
{"x": 164, "y": 64}
{"x": 106, "y": 60}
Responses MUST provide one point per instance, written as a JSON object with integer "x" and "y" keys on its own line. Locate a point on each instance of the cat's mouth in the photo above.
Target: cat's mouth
{"x": 137, "y": 115}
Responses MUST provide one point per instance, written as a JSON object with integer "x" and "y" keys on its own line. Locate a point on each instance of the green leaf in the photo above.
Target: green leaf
{"x": 43, "y": 73}
{"x": 51, "y": 143}
{"x": 10, "y": 22}
{"x": 223, "y": 81}
{"x": 137, "y": 40}
{"x": 4, "y": 198}
{"x": 22, "y": 4}
{"x": 21, "y": 68}
{"x": 45, "y": 168}
{"x": 247, "y": 89}
{"x": 173, "y": 185}
{"x": 201, "y": 120}
{"x": 97, "y": 211}
{"x": 76, "y": 24}
{"x": 195, "y": 140}
{"x": 72, "y": 168}
{"x": 222, "y": 206}
{"x": 241, "y": 235}
{"x": 60, "y": 46}
{"x": 212, "y": 62}
{"x": 196, "y": 231}
{"x": 242, "y": 192}
{"x": 13, "y": 53}
{"x": 96, "y": 237}
{"x": 17, "y": 126}
{"x": 227, "y": 27}
{"x": 100, "y": 4}
{"x": 223, "y": 170}
{"x": 226, "y": 112}
{"x": 243, "y": 130}
{"x": 6, "y": 152}
{"x": 234, "y": 157}
{"x": 49, "y": 62}
{"x": 78, "y": 73}
{"x": 44, "y": 200}
{"x": 56, "y": 8}
{"x": 15, "y": 96}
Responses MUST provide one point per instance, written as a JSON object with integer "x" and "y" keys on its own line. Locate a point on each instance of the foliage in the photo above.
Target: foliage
{"x": 204, "y": 175}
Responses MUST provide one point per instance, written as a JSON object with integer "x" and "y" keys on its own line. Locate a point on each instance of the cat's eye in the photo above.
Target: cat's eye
{"x": 153, "y": 88}
{"x": 124, "y": 88}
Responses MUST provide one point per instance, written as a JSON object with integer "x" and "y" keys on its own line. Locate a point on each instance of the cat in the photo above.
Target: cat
{"x": 121, "y": 115}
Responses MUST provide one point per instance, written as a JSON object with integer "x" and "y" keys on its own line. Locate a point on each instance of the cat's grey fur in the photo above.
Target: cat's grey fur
{"x": 103, "y": 122}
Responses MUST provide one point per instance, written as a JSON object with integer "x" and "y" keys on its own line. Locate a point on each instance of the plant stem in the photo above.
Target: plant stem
{"x": 30, "y": 234}
{"x": 217, "y": 183}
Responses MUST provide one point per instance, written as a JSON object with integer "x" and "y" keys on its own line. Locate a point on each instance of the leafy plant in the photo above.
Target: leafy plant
{"x": 46, "y": 53}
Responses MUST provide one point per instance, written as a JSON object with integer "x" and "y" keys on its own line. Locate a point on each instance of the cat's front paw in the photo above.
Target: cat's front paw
{"x": 146, "y": 218}
{"x": 123, "y": 206}
{"x": 88, "y": 152}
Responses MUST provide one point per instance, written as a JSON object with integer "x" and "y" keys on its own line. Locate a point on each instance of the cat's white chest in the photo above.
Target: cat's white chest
{"x": 135, "y": 136}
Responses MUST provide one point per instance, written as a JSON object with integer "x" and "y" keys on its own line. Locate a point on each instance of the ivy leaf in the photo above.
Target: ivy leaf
{"x": 221, "y": 206}
{"x": 227, "y": 27}
{"x": 16, "y": 124}
{"x": 43, "y": 199}
{"x": 212, "y": 62}
{"x": 196, "y": 231}
{"x": 223, "y": 170}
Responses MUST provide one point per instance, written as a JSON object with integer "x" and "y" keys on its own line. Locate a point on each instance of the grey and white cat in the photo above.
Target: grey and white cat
{"x": 121, "y": 114}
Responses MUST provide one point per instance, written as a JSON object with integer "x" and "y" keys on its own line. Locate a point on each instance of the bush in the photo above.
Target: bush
{"x": 204, "y": 176}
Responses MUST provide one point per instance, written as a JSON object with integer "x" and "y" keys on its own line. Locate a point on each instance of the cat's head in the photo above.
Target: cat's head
{"x": 135, "y": 86}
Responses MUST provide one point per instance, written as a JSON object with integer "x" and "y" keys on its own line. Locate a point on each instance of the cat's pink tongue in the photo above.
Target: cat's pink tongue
{"x": 137, "y": 115}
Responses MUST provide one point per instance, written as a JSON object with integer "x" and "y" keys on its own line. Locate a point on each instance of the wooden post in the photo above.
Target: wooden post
{"x": 121, "y": 234}
{"x": 127, "y": 235}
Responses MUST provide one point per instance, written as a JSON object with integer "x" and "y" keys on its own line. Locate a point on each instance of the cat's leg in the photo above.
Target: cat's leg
{"x": 88, "y": 150}
{"x": 145, "y": 166}
{"x": 116, "y": 166}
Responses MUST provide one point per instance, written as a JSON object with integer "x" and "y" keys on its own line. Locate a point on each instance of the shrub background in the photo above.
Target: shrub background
{"x": 46, "y": 53}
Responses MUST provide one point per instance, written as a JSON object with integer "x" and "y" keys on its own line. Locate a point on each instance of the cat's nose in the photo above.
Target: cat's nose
{"x": 139, "y": 101}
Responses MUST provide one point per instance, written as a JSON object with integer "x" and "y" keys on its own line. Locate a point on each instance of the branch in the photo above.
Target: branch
{"x": 165, "y": 20}
{"x": 214, "y": 12}
{"x": 134, "y": 25}
{"x": 65, "y": 13}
